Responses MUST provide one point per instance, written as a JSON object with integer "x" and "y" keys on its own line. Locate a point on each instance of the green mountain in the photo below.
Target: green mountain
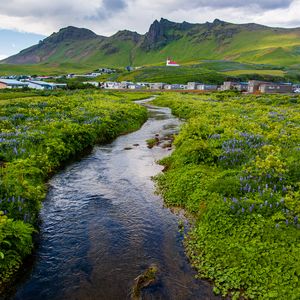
{"x": 184, "y": 42}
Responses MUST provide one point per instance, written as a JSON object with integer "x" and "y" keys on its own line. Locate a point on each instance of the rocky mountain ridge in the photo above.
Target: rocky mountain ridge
{"x": 184, "y": 41}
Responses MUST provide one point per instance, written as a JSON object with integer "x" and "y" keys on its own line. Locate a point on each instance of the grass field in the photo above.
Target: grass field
{"x": 44, "y": 69}
{"x": 253, "y": 71}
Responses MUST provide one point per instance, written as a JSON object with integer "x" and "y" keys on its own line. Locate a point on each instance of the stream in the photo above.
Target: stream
{"x": 102, "y": 226}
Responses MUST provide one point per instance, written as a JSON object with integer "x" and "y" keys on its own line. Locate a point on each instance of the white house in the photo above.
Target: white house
{"x": 173, "y": 87}
{"x": 156, "y": 86}
{"x": 125, "y": 84}
{"x": 143, "y": 84}
{"x": 134, "y": 87}
{"x": 110, "y": 85}
{"x": 207, "y": 87}
{"x": 192, "y": 85}
{"x": 171, "y": 63}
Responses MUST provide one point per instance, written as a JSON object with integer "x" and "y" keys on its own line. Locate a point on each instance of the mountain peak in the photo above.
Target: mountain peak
{"x": 70, "y": 33}
{"x": 218, "y": 22}
{"x": 127, "y": 35}
{"x": 162, "y": 32}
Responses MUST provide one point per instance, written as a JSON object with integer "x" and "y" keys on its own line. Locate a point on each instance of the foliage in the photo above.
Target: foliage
{"x": 236, "y": 168}
{"x": 15, "y": 244}
{"x": 38, "y": 134}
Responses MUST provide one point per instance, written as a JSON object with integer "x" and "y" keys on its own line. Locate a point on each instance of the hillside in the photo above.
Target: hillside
{"x": 185, "y": 42}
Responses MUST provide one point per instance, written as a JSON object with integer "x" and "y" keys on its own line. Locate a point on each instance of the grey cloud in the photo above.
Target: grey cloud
{"x": 262, "y": 4}
{"x": 98, "y": 9}
{"x": 16, "y": 8}
{"x": 108, "y": 16}
{"x": 108, "y": 8}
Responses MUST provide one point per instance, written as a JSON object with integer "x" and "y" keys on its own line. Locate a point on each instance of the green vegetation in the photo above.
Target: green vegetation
{"x": 7, "y": 94}
{"x": 182, "y": 74}
{"x": 144, "y": 280}
{"x": 254, "y": 72}
{"x": 44, "y": 69}
{"x": 236, "y": 169}
{"x": 38, "y": 134}
{"x": 152, "y": 142}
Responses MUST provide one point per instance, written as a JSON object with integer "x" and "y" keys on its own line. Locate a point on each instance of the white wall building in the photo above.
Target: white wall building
{"x": 111, "y": 85}
{"x": 207, "y": 87}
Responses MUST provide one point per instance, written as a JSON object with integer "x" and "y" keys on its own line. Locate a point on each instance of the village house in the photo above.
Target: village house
{"x": 143, "y": 84}
{"x": 106, "y": 71}
{"x": 237, "y": 86}
{"x": 228, "y": 85}
{"x": 275, "y": 88}
{"x": 192, "y": 85}
{"x": 134, "y": 87}
{"x": 296, "y": 88}
{"x": 89, "y": 75}
{"x": 157, "y": 86}
{"x": 242, "y": 86}
{"x": 125, "y": 84}
{"x": 207, "y": 87}
{"x": 173, "y": 87}
{"x": 110, "y": 85}
{"x": 253, "y": 85}
{"x": 12, "y": 84}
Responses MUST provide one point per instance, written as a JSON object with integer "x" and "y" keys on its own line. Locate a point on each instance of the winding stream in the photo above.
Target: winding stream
{"x": 103, "y": 226}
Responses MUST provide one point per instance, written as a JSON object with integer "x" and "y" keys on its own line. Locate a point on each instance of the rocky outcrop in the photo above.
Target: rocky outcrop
{"x": 163, "y": 32}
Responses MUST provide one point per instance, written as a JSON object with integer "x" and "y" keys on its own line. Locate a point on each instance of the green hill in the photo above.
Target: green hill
{"x": 79, "y": 48}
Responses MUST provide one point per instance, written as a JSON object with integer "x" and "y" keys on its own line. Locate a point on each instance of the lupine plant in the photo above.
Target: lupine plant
{"x": 236, "y": 168}
{"x": 37, "y": 135}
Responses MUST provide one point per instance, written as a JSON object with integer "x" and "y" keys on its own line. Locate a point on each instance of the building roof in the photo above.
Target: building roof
{"x": 44, "y": 83}
{"x": 41, "y": 83}
{"x": 12, "y": 82}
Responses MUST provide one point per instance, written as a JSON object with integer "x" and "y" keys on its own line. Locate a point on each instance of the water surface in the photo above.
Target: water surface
{"x": 102, "y": 226}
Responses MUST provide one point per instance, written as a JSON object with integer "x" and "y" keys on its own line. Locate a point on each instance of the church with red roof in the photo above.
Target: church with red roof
{"x": 171, "y": 63}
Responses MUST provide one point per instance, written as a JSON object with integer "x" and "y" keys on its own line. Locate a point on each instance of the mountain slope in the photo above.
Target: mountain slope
{"x": 185, "y": 42}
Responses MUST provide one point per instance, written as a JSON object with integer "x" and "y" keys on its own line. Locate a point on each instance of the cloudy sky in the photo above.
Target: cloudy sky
{"x": 105, "y": 17}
